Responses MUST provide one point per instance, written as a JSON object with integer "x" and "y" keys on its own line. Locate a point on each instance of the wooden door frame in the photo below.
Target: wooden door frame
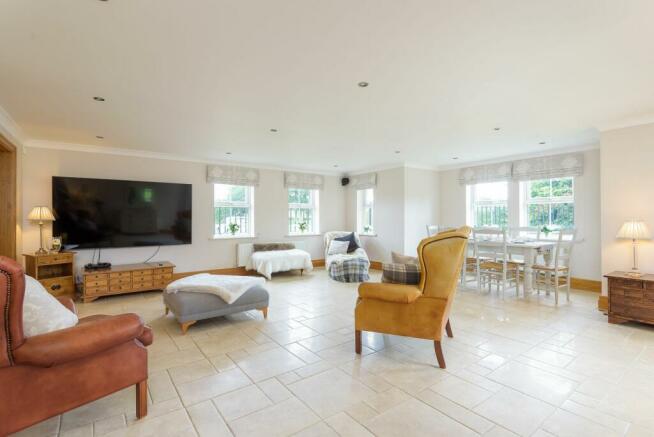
{"x": 8, "y": 197}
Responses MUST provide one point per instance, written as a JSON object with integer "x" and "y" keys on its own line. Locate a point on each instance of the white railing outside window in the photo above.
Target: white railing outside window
{"x": 233, "y": 211}
{"x": 303, "y": 212}
{"x": 365, "y": 211}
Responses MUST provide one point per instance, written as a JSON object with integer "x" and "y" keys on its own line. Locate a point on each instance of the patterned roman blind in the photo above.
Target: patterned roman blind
{"x": 485, "y": 173}
{"x": 364, "y": 181}
{"x": 307, "y": 181}
{"x": 233, "y": 175}
{"x": 546, "y": 167}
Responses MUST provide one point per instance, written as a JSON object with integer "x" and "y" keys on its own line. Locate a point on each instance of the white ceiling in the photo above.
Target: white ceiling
{"x": 204, "y": 77}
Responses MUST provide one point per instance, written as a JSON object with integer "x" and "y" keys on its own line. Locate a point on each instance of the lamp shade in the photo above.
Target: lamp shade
{"x": 41, "y": 214}
{"x": 634, "y": 230}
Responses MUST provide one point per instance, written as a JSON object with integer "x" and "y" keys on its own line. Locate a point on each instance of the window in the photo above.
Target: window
{"x": 548, "y": 202}
{"x": 365, "y": 211}
{"x": 302, "y": 211}
{"x": 233, "y": 210}
{"x": 488, "y": 204}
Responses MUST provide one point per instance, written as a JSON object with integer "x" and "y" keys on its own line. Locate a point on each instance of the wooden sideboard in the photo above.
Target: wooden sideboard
{"x": 630, "y": 299}
{"x": 54, "y": 271}
{"x": 126, "y": 278}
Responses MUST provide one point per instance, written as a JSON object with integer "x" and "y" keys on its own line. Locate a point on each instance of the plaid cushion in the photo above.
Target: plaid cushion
{"x": 401, "y": 273}
{"x": 350, "y": 270}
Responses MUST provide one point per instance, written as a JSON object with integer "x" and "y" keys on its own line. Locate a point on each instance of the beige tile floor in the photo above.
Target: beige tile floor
{"x": 515, "y": 367}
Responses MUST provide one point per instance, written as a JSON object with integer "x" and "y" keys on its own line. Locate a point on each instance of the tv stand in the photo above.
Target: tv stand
{"x": 126, "y": 278}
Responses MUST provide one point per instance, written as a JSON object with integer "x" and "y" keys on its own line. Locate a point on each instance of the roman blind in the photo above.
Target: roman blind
{"x": 307, "y": 181}
{"x": 233, "y": 175}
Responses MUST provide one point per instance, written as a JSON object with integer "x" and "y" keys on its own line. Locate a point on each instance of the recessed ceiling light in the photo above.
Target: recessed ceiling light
{"x": 228, "y": 153}
{"x": 273, "y": 130}
{"x": 335, "y": 165}
{"x": 455, "y": 158}
{"x": 98, "y": 99}
{"x": 100, "y": 137}
{"x": 397, "y": 152}
{"x": 541, "y": 143}
{"x": 497, "y": 128}
{"x": 363, "y": 84}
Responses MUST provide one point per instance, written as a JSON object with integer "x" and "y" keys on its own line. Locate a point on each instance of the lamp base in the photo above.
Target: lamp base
{"x": 41, "y": 251}
{"x": 634, "y": 274}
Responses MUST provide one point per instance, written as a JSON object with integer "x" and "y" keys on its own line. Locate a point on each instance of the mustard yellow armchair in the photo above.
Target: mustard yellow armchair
{"x": 422, "y": 310}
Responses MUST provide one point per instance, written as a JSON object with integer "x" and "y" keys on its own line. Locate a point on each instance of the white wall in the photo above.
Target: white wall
{"x": 452, "y": 209}
{"x": 39, "y": 165}
{"x": 421, "y": 198}
{"x": 627, "y": 178}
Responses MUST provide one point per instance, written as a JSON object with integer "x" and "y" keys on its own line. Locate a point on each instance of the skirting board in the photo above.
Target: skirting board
{"x": 586, "y": 284}
{"x": 240, "y": 271}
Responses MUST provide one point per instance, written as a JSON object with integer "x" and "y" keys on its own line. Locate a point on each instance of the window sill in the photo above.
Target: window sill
{"x": 367, "y": 235}
{"x": 306, "y": 234}
{"x": 232, "y": 237}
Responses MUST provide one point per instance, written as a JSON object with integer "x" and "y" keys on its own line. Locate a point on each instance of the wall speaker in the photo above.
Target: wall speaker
{"x": 345, "y": 181}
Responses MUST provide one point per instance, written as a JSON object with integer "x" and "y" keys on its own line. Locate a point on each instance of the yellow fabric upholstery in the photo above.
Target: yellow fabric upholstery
{"x": 420, "y": 311}
{"x": 397, "y": 293}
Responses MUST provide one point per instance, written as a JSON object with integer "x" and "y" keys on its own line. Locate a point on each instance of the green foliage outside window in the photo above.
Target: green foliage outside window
{"x": 550, "y": 203}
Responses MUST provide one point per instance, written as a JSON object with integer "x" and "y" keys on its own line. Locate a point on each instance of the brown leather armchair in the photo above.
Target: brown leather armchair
{"x": 422, "y": 310}
{"x": 48, "y": 374}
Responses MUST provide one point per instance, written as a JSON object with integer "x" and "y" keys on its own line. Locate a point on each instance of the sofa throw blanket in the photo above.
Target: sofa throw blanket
{"x": 227, "y": 287}
{"x": 395, "y": 273}
{"x": 348, "y": 268}
{"x": 267, "y": 247}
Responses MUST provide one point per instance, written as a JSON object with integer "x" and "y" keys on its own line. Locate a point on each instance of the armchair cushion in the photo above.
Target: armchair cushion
{"x": 401, "y": 273}
{"x": 396, "y": 293}
{"x": 87, "y": 338}
{"x": 351, "y": 239}
{"x": 42, "y": 312}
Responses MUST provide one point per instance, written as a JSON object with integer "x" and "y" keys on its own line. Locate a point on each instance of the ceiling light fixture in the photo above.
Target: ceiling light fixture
{"x": 273, "y": 130}
{"x": 397, "y": 152}
{"x": 542, "y": 142}
{"x": 335, "y": 165}
{"x": 228, "y": 153}
{"x": 363, "y": 84}
{"x": 98, "y": 99}
{"x": 455, "y": 158}
{"x": 100, "y": 137}
{"x": 496, "y": 128}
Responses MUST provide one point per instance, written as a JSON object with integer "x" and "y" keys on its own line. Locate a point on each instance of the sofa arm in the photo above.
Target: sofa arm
{"x": 58, "y": 347}
{"x": 397, "y": 293}
{"x": 68, "y": 303}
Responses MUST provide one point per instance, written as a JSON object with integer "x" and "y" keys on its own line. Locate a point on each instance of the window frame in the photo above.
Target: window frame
{"x": 361, "y": 199}
{"x": 525, "y": 202}
{"x": 314, "y": 196}
{"x": 247, "y": 203}
{"x": 471, "y": 203}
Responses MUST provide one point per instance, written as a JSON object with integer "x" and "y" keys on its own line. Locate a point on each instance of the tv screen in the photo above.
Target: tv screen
{"x": 94, "y": 213}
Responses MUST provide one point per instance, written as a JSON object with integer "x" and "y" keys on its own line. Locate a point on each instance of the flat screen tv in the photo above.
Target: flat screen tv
{"x": 99, "y": 213}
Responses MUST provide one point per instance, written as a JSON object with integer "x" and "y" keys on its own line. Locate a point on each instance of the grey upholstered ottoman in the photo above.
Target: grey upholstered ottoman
{"x": 189, "y": 307}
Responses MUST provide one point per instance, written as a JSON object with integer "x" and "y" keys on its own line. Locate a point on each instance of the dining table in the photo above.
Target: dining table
{"x": 528, "y": 249}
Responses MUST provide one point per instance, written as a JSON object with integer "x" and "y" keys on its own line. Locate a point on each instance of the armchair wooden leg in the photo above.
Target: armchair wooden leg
{"x": 448, "y": 329}
{"x": 439, "y": 354}
{"x": 167, "y": 310}
{"x": 264, "y": 311}
{"x": 142, "y": 399}
{"x": 357, "y": 342}
{"x": 186, "y": 325}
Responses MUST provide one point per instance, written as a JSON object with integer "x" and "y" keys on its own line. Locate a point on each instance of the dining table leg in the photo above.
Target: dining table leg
{"x": 529, "y": 261}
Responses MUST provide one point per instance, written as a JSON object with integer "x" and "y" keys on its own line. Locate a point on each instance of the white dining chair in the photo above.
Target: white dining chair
{"x": 556, "y": 271}
{"x": 492, "y": 260}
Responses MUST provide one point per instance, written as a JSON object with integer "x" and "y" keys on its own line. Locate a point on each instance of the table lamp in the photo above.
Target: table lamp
{"x": 634, "y": 230}
{"x": 41, "y": 214}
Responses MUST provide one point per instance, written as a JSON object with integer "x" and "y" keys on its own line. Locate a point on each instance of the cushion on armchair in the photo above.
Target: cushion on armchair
{"x": 42, "y": 312}
{"x": 351, "y": 239}
{"x": 395, "y": 273}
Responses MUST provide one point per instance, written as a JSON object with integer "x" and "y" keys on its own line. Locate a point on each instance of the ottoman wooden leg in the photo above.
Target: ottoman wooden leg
{"x": 265, "y": 312}
{"x": 186, "y": 325}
